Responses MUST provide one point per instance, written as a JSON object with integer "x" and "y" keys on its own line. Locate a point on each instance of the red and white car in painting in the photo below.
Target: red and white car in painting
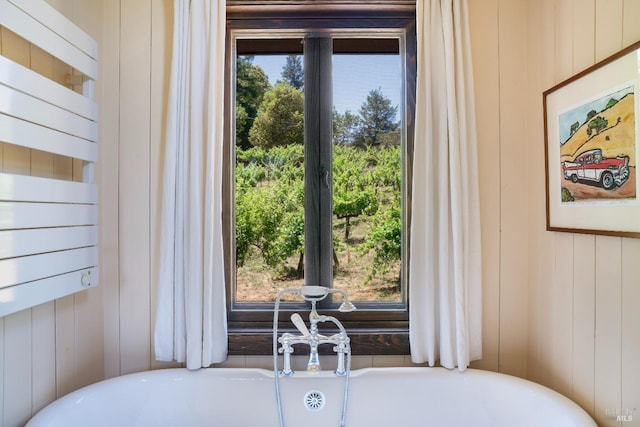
{"x": 591, "y": 166}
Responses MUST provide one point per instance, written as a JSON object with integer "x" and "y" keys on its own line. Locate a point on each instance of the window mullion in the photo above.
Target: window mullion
{"x": 318, "y": 130}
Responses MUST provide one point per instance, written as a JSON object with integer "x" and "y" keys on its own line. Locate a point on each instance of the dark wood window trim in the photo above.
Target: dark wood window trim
{"x": 372, "y": 330}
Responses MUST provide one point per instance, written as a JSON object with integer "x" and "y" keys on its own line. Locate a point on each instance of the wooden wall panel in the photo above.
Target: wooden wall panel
{"x": 134, "y": 191}
{"x": 17, "y": 368}
{"x": 584, "y": 12}
{"x": 608, "y": 27}
{"x": 513, "y": 212}
{"x": 582, "y": 340}
{"x": 593, "y": 280}
{"x": 563, "y": 31}
{"x": 630, "y": 27}
{"x": 108, "y": 175}
{"x": 65, "y": 346}
{"x": 44, "y": 356}
{"x": 484, "y": 30}
{"x": 540, "y": 51}
{"x": 560, "y": 292}
{"x": 560, "y": 310}
{"x": 89, "y": 341}
{"x": 630, "y": 333}
{"x": 548, "y": 248}
{"x": 608, "y": 338}
{"x": 161, "y": 43}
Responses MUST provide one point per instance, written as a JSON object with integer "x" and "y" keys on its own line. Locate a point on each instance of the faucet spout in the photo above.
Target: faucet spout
{"x": 314, "y": 339}
{"x": 341, "y": 342}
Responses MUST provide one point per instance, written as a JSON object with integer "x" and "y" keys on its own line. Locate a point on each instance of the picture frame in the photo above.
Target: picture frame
{"x": 592, "y": 144}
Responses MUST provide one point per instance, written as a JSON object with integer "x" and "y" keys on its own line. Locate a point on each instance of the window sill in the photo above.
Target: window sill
{"x": 388, "y": 341}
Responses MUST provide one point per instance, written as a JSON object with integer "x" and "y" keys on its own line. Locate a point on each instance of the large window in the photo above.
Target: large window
{"x": 319, "y": 142}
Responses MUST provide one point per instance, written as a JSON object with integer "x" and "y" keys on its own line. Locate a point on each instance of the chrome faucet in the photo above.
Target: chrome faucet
{"x": 312, "y": 337}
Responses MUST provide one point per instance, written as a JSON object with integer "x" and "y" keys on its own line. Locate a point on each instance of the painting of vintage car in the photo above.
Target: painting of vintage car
{"x": 591, "y": 144}
{"x": 591, "y": 166}
{"x": 598, "y": 149}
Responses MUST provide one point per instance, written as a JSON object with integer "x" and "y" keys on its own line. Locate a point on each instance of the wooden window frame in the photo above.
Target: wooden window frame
{"x": 373, "y": 330}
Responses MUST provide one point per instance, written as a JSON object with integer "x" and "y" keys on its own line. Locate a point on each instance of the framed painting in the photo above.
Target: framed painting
{"x": 592, "y": 142}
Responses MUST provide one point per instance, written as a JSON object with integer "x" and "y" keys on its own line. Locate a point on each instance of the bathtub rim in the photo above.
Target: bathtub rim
{"x": 253, "y": 372}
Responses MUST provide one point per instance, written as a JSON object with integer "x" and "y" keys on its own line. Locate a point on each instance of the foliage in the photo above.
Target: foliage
{"x": 378, "y": 118}
{"x": 345, "y": 127}
{"x": 354, "y": 192}
{"x": 269, "y": 172}
{"x": 574, "y": 128}
{"x": 385, "y": 238}
{"x": 269, "y": 219}
{"x": 276, "y": 163}
{"x": 390, "y": 138}
{"x": 280, "y": 118}
{"x": 270, "y": 202}
{"x": 611, "y": 103}
{"x": 566, "y": 195}
{"x": 598, "y": 124}
{"x": 293, "y": 73}
{"x": 251, "y": 85}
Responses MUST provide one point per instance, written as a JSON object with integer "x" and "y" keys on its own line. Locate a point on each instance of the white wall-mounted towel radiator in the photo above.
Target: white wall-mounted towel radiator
{"x": 48, "y": 224}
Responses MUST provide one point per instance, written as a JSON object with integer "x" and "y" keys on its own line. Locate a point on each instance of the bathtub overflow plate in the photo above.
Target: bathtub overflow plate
{"x": 314, "y": 400}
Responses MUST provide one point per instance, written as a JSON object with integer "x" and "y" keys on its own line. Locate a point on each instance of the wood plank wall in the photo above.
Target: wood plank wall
{"x": 560, "y": 309}
{"x": 499, "y": 60}
{"x": 584, "y": 291}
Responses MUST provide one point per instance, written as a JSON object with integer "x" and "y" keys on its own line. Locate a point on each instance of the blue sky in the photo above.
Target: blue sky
{"x": 353, "y": 77}
{"x": 579, "y": 114}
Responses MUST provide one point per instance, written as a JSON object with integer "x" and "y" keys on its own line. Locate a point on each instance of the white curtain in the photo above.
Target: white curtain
{"x": 445, "y": 269}
{"x": 191, "y": 312}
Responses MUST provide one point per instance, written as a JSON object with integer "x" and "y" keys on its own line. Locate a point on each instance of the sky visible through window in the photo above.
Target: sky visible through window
{"x": 354, "y": 76}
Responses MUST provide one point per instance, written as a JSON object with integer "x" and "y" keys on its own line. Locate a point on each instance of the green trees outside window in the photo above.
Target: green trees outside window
{"x": 269, "y": 188}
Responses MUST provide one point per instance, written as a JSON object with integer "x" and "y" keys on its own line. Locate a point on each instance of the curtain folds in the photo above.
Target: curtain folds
{"x": 445, "y": 268}
{"x": 191, "y": 309}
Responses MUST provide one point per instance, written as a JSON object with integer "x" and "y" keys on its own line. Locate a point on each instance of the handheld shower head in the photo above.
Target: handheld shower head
{"x": 314, "y": 293}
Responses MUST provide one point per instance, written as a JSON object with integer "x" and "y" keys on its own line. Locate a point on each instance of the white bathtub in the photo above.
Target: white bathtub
{"x": 377, "y": 397}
